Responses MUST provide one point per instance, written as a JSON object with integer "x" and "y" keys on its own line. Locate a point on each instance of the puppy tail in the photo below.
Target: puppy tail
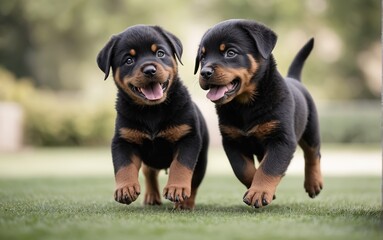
{"x": 296, "y": 66}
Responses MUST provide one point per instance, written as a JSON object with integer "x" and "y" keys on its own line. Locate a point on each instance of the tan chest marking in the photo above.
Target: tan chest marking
{"x": 264, "y": 129}
{"x": 259, "y": 131}
{"x": 172, "y": 134}
{"x": 133, "y": 135}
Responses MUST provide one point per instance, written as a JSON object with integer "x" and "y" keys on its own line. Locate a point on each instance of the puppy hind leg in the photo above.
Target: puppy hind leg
{"x": 310, "y": 144}
{"x": 152, "y": 192}
{"x": 313, "y": 177}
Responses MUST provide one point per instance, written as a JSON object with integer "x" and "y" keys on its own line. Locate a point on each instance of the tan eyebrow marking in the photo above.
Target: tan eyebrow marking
{"x": 222, "y": 47}
{"x": 132, "y": 52}
{"x": 154, "y": 47}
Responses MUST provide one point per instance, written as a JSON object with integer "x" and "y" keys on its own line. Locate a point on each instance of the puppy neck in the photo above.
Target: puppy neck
{"x": 271, "y": 84}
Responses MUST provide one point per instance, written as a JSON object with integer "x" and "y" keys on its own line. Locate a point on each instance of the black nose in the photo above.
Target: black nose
{"x": 149, "y": 70}
{"x": 206, "y": 72}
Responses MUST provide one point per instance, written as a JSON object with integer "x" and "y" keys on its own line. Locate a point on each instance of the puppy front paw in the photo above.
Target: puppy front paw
{"x": 258, "y": 197}
{"x": 262, "y": 190}
{"x": 177, "y": 192}
{"x": 127, "y": 193}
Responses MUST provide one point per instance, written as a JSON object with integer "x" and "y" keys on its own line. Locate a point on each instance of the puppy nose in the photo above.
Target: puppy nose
{"x": 206, "y": 72}
{"x": 149, "y": 70}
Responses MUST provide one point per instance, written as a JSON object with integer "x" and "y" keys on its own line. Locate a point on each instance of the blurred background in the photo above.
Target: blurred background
{"x": 52, "y": 93}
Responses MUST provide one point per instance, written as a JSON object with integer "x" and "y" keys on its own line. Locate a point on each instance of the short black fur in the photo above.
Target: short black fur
{"x": 269, "y": 118}
{"x": 158, "y": 129}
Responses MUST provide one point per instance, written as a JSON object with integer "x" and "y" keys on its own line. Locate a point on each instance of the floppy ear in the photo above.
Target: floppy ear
{"x": 104, "y": 57}
{"x": 174, "y": 42}
{"x": 197, "y": 60}
{"x": 264, "y": 37}
{"x": 198, "y": 57}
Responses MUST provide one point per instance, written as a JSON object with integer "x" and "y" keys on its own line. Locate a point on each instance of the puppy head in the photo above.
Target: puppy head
{"x": 231, "y": 54}
{"x": 143, "y": 61}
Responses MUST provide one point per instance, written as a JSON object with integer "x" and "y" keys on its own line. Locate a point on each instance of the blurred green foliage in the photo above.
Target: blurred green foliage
{"x": 48, "y": 50}
{"x": 52, "y": 42}
{"x": 57, "y": 120}
{"x": 348, "y": 29}
{"x": 350, "y": 122}
{"x": 70, "y": 120}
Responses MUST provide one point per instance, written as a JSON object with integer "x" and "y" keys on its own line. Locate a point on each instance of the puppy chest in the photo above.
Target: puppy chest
{"x": 156, "y": 148}
{"x": 171, "y": 134}
{"x": 258, "y": 131}
{"x": 157, "y": 154}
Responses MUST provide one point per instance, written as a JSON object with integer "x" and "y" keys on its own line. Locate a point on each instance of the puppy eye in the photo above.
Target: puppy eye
{"x": 160, "y": 54}
{"x": 129, "y": 61}
{"x": 230, "y": 53}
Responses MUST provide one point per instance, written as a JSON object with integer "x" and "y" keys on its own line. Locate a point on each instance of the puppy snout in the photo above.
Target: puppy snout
{"x": 207, "y": 72}
{"x": 149, "y": 70}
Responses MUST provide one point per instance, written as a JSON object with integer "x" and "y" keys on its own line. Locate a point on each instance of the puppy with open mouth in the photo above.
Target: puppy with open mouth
{"x": 157, "y": 125}
{"x": 260, "y": 113}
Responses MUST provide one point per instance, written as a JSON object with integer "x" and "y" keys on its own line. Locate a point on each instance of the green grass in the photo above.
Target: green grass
{"x": 82, "y": 208}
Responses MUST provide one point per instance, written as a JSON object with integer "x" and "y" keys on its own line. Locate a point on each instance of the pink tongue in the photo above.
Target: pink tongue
{"x": 153, "y": 91}
{"x": 216, "y": 93}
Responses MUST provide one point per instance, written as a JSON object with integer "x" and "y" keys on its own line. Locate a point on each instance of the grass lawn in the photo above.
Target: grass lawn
{"x": 82, "y": 208}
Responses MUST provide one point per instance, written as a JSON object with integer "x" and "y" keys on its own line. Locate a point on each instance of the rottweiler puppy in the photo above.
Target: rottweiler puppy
{"x": 157, "y": 125}
{"x": 260, "y": 113}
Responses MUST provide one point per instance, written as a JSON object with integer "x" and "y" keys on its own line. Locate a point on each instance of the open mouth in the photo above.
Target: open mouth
{"x": 220, "y": 92}
{"x": 152, "y": 92}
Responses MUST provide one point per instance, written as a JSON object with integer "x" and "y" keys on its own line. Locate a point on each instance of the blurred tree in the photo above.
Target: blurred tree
{"x": 48, "y": 40}
{"x": 14, "y": 38}
{"x": 349, "y": 31}
{"x": 54, "y": 45}
{"x": 51, "y": 41}
{"x": 358, "y": 24}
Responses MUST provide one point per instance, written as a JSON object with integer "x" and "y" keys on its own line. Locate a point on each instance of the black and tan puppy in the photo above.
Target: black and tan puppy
{"x": 260, "y": 112}
{"x": 157, "y": 124}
